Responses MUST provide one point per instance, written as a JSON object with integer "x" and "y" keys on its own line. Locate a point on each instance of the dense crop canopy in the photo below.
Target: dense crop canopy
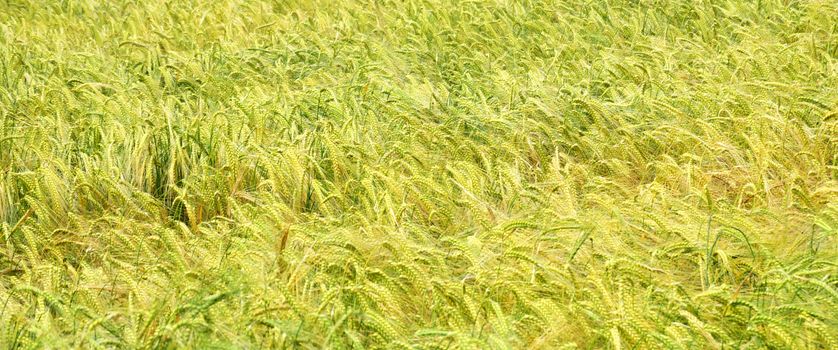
{"x": 419, "y": 174}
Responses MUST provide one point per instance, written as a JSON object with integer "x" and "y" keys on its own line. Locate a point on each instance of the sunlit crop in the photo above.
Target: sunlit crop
{"x": 420, "y": 174}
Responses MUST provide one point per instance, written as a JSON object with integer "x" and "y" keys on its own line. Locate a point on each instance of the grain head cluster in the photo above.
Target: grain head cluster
{"x": 419, "y": 174}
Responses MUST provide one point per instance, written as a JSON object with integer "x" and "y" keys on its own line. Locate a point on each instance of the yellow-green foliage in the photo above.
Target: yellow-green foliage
{"x": 419, "y": 174}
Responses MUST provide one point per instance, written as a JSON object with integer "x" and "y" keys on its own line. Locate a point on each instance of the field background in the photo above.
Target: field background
{"x": 419, "y": 174}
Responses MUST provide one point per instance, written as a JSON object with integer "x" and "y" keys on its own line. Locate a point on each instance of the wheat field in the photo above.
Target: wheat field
{"x": 419, "y": 174}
